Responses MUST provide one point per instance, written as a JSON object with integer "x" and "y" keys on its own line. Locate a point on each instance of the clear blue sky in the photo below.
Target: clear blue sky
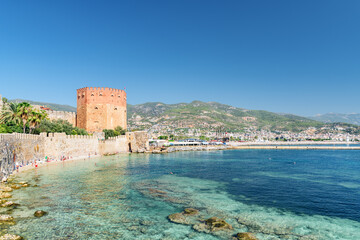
{"x": 300, "y": 57}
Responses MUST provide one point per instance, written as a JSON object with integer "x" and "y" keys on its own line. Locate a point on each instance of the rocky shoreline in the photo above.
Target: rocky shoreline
{"x": 6, "y": 220}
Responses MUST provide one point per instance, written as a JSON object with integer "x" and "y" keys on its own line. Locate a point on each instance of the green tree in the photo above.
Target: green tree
{"x": 114, "y": 133}
{"x": 24, "y": 111}
{"x": 5, "y": 100}
{"x": 35, "y": 118}
{"x": 109, "y": 133}
{"x": 10, "y": 114}
{"x": 4, "y": 128}
{"x": 120, "y": 130}
{"x": 59, "y": 126}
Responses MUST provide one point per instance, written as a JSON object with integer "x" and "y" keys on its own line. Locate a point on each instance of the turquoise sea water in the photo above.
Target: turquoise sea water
{"x": 277, "y": 194}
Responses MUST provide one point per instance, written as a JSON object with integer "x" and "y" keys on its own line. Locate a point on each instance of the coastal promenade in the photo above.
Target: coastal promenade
{"x": 310, "y": 145}
{"x": 297, "y": 147}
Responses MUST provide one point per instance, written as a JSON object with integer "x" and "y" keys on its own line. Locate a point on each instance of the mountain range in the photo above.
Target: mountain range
{"x": 210, "y": 115}
{"x": 352, "y": 118}
{"x": 53, "y": 106}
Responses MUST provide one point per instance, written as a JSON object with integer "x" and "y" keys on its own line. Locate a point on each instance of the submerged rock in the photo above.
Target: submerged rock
{"x": 201, "y": 227}
{"x": 245, "y": 236}
{"x": 10, "y": 237}
{"x": 217, "y": 224}
{"x": 5, "y": 195}
{"x": 6, "y": 189}
{"x": 40, "y": 213}
{"x": 25, "y": 185}
{"x": 8, "y": 204}
{"x": 178, "y": 218}
{"x": 212, "y": 225}
{"x": 153, "y": 190}
{"x": 146, "y": 223}
{"x": 6, "y": 218}
{"x": 191, "y": 211}
{"x": 15, "y": 186}
{"x": 185, "y": 217}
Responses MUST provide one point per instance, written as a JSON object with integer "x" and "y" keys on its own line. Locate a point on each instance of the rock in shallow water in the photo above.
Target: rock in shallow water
{"x": 217, "y": 224}
{"x": 5, "y": 195}
{"x": 178, "y": 218}
{"x": 146, "y": 223}
{"x": 8, "y": 204}
{"x": 185, "y": 217}
{"x": 40, "y": 213}
{"x": 212, "y": 225}
{"x": 6, "y": 218}
{"x": 10, "y": 237}
{"x": 245, "y": 236}
{"x": 6, "y": 189}
{"x": 191, "y": 211}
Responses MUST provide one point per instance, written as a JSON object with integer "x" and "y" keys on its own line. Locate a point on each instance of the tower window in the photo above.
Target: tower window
{"x": 96, "y": 107}
{"x": 112, "y": 95}
{"x": 92, "y": 94}
{"x": 115, "y": 108}
{"x": 100, "y": 94}
{"x": 119, "y": 96}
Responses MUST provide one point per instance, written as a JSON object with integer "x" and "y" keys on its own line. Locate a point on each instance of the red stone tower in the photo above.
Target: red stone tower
{"x": 101, "y": 108}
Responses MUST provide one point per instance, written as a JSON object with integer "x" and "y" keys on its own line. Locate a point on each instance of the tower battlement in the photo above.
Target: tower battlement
{"x": 101, "y": 108}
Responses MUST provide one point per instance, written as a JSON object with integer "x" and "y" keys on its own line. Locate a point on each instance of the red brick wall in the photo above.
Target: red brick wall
{"x": 101, "y": 108}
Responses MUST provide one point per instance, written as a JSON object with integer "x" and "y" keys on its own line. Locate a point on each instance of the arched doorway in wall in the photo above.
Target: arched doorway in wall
{"x": 130, "y": 147}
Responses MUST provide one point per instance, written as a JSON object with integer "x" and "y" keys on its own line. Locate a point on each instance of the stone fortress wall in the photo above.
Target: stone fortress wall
{"x": 67, "y": 116}
{"x": 56, "y": 115}
{"x": 26, "y": 146}
{"x": 54, "y": 146}
{"x": 101, "y": 108}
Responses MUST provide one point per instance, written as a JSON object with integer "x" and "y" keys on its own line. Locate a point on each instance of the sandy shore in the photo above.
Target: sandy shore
{"x": 44, "y": 164}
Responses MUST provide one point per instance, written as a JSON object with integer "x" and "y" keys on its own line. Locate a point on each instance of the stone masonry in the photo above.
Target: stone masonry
{"x": 60, "y": 115}
{"x": 57, "y": 145}
{"x": 101, "y": 108}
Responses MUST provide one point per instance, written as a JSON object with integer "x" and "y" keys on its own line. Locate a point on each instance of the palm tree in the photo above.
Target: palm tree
{"x": 10, "y": 113}
{"x": 36, "y": 118}
{"x": 24, "y": 110}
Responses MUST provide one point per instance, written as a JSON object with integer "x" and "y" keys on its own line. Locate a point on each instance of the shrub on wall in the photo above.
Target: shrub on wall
{"x": 10, "y": 127}
{"x": 114, "y": 133}
{"x": 59, "y": 126}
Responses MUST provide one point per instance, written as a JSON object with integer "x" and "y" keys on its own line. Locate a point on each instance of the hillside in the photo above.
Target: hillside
{"x": 53, "y": 106}
{"x": 353, "y": 118}
{"x": 212, "y": 115}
